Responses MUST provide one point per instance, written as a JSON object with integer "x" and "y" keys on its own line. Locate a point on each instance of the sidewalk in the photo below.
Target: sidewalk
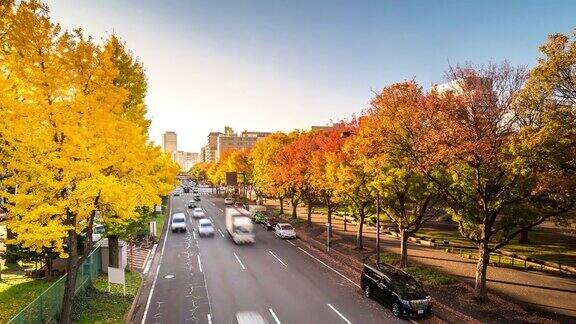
{"x": 539, "y": 290}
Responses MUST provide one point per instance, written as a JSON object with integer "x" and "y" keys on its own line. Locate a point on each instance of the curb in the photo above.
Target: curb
{"x": 128, "y": 316}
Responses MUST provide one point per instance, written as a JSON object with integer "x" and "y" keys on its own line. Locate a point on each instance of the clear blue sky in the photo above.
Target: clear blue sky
{"x": 280, "y": 65}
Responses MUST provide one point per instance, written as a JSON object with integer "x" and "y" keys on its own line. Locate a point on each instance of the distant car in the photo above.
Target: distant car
{"x": 259, "y": 217}
{"x": 250, "y": 317}
{"x": 178, "y": 223}
{"x": 186, "y": 190}
{"x": 176, "y": 193}
{"x": 195, "y": 190}
{"x": 285, "y": 230}
{"x": 197, "y": 197}
{"x": 205, "y": 227}
{"x": 228, "y": 201}
{"x": 270, "y": 223}
{"x": 191, "y": 204}
{"x": 198, "y": 213}
{"x": 396, "y": 289}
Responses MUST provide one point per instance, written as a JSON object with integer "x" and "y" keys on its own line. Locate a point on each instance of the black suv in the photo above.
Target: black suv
{"x": 397, "y": 289}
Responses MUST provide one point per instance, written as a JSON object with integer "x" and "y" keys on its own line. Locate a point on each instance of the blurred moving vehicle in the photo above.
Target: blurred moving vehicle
{"x": 396, "y": 289}
{"x": 178, "y": 223}
{"x": 285, "y": 230}
{"x": 239, "y": 226}
{"x": 250, "y": 317}
{"x": 228, "y": 201}
{"x": 198, "y": 213}
{"x": 270, "y": 223}
{"x": 205, "y": 227}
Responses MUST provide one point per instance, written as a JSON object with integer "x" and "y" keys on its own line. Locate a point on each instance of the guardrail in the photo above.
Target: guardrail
{"x": 47, "y": 306}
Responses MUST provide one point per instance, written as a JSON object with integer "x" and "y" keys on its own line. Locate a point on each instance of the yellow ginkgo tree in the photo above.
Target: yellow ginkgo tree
{"x": 66, "y": 139}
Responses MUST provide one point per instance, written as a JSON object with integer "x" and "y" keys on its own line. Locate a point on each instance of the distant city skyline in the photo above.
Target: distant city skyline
{"x": 275, "y": 65}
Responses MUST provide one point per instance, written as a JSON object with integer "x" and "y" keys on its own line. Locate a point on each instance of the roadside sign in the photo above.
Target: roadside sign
{"x": 116, "y": 276}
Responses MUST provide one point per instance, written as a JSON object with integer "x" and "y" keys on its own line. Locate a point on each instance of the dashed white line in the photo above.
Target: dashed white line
{"x": 274, "y": 315}
{"x": 327, "y": 266}
{"x": 291, "y": 243}
{"x": 237, "y": 258}
{"x": 209, "y": 318}
{"x": 199, "y": 262}
{"x": 194, "y": 233}
{"x": 339, "y": 314}
{"x": 219, "y": 231}
{"x": 220, "y": 209}
{"x": 277, "y": 258}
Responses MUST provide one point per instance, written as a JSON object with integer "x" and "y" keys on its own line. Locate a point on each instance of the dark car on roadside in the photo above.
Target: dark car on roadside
{"x": 395, "y": 289}
{"x": 269, "y": 223}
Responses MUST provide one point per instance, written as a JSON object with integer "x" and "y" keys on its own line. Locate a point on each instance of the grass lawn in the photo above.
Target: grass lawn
{"x": 160, "y": 220}
{"x": 426, "y": 275}
{"x": 545, "y": 244}
{"x": 97, "y": 305}
{"x": 17, "y": 291}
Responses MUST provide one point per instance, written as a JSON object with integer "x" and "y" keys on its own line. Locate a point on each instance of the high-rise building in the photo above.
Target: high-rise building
{"x": 229, "y": 140}
{"x": 169, "y": 142}
{"x": 185, "y": 159}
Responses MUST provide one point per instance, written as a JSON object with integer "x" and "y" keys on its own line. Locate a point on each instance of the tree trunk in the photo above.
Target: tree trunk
{"x": 72, "y": 272}
{"x": 281, "y": 206}
{"x": 481, "y": 267}
{"x": 309, "y": 215}
{"x": 403, "y": 248}
{"x": 10, "y": 255}
{"x": 113, "y": 251}
{"x": 524, "y": 237}
{"x": 88, "y": 242}
{"x": 294, "y": 206}
{"x": 330, "y": 220}
{"x": 359, "y": 241}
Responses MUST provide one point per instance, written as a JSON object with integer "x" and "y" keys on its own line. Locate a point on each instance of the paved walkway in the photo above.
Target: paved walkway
{"x": 538, "y": 289}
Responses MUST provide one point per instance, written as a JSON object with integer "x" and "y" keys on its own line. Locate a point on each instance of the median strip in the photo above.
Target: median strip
{"x": 339, "y": 314}
{"x": 277, "y": 258}
{"x": 237, "y": 258}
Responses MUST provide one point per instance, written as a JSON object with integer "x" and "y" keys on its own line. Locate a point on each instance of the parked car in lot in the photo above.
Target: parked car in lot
{"x": 259, "y": 217}
{"x": 285, "y": 230}
{"x": 270, "y": 223}
{"x": 198, "y": 213}
{"x": 228, "y": 201}
{"x": 178, "y": 223}
{"x": 205, "y": 227}
{"x": 191, "y": 204}
{"x": 396, "y": 289}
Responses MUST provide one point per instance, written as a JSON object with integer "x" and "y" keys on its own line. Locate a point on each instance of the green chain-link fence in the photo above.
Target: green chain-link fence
{"x": 46, "y": 307}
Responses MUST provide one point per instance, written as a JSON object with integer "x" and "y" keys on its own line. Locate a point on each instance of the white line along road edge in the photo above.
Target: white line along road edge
{"x": 237, "y": 258}
{"x": 159, "y": 265}
{"x": 337, "y": 312}
{"x": 277, "y": 258}
{"x": 209, "y": 318}
{"x": 274, "y": 315}
{"x": 199, "y": 263}
{"x": 327, "y": 266}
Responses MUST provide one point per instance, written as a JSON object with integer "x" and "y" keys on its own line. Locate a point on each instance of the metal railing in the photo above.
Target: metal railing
{"x": 47, "y": 306}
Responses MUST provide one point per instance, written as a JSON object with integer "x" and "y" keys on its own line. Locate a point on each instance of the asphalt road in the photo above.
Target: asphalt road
{"x": 209, "y": 280}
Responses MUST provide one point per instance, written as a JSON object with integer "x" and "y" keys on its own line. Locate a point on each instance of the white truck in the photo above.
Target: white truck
{"x": 239, "y": 225}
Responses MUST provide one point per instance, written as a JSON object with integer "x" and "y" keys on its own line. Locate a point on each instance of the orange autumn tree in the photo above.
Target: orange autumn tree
{"x": 324, "y": 164}
{"x": 491, "y": 185}
{"x": 386, "y": 141}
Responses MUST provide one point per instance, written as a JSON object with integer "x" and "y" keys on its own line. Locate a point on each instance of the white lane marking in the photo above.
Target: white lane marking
{"x": 327, "y": 266}
{"x": 221, "y": 209}
{"x": 274, "y": 315}
{"x": 209, "y": 318}
{"x": 199, "y": 262}
{"x": 194, "y": 233}
{"x": 157, "y": 269}
{"x": 339, "y": 314}
{"x": 237, "y": 258}
{"x": 150, "y": 259}
{"x": 219, "y": 231}
{"x": 291, "y": 243}
{"x": 277, "y": 258}
{"x": 412, "y": 321}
